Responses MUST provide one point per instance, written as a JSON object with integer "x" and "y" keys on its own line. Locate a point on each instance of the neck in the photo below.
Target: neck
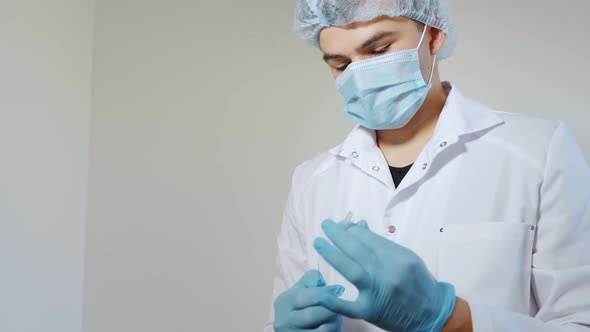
{"x": 402, "y": 146}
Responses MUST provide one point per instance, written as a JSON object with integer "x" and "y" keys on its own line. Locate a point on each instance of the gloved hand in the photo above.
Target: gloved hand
{"x": 297, "y": 309}
{"x": 396, "y": 290}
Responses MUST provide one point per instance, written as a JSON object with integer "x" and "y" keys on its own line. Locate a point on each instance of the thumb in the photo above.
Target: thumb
{"x": 363, "y": 223}
{"x": 342, "y": 307}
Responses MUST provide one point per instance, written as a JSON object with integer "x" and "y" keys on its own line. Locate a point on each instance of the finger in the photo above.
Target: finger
{"x": 350, "y": 269}
{"x": 311, "y": 278}
{"x": 348, "y": 243}
{"x": 346, "y": 223}
{"x": 309, "y": 297}
{"x": 363, "y": 223}
{"x": 335, "y": 325}
{"x": 311, "y": 317}
{"x": 343, "y": 307}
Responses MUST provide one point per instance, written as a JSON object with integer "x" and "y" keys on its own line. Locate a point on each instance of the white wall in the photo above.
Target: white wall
{"x": 202, "y": 110}
{"x": 193, "y": 144}
{"x": 45, "y": 78}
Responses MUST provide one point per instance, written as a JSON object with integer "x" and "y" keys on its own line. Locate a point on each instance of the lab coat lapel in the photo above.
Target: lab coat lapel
{"x": 460, "y": 117}
{"x": 361, "y": 150}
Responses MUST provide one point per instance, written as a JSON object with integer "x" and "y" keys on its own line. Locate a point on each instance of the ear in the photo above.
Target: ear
{"x": 437, "y": 40}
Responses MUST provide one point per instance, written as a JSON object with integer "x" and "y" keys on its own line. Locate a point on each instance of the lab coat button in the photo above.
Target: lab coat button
{"x": 376, "y": 168}
{"x": 392, "y": 229}
{"x": 355, "y": 155}
{"x": 532, "y": 228}
{"x": 443, "y": 144}
{"x": 425, "y": 166}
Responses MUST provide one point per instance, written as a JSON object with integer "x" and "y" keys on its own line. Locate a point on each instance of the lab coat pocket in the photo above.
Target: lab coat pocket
{"x": 488, "y": 262}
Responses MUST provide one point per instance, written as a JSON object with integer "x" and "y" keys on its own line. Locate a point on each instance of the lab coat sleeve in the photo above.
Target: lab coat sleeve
{"x": 290, "y": 259}
{"x": 561, "y": 256}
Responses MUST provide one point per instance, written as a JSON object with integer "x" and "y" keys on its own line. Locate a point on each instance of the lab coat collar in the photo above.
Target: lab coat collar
{"x": 459, "y": 116}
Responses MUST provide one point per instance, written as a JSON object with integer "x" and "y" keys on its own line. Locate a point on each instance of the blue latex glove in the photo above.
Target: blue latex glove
{"x": 298, "y": 309}
{"x": 396, "y": 290}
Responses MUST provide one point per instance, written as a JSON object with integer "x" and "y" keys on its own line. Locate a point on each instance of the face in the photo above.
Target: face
{"x": 343, "y": 45}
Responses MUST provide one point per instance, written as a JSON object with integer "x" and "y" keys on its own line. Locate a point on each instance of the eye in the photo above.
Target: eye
{"x": 341, "y": 68}
{"x": 381, "y": 50}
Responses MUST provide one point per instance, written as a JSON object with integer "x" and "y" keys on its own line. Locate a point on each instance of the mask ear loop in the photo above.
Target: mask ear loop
{"x": 422, "y": 38}
{"x": 432, "y": 71}
{"x": 434, "y": 60}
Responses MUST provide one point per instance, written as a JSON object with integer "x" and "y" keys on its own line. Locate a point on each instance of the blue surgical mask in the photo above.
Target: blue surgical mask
{"x": 385, "y": 92}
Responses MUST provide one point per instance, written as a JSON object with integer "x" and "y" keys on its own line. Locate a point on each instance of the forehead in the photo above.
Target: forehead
{"x": 347, "y": 37}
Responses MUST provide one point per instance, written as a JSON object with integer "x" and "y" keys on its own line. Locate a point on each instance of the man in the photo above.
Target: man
{"x": 467, "y": 219}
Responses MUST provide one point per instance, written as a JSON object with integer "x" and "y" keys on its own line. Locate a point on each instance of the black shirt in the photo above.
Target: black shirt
{"x": 398, "y": 173}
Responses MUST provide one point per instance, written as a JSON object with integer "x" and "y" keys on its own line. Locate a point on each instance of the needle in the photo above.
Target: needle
{"x": 320, "y": 282}
{"x": 349, "y": 216}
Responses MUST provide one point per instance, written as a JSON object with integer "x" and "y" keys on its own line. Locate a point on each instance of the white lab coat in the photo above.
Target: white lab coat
{"x": 498, "y": 204}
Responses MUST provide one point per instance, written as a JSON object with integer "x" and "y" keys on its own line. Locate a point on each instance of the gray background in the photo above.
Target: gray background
{"x": 45, "y": 103}
{"x": 189, "y": 118}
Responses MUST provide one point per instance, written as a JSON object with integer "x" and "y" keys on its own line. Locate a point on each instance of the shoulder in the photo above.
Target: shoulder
{"x": 309, "y": 170}
{"x": 519, "y": 125}
{"x": 513, "y": 130}
{"x": 520, "y": 128}
{"x": 516, "y": 136}
{"x": 530, "y": 138}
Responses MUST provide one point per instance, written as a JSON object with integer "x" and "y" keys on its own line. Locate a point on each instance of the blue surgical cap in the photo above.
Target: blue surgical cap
{"x": 311, "y": 16}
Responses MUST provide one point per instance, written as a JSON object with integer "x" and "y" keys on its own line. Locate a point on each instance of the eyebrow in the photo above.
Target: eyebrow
{"x": 367, "y": 44}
